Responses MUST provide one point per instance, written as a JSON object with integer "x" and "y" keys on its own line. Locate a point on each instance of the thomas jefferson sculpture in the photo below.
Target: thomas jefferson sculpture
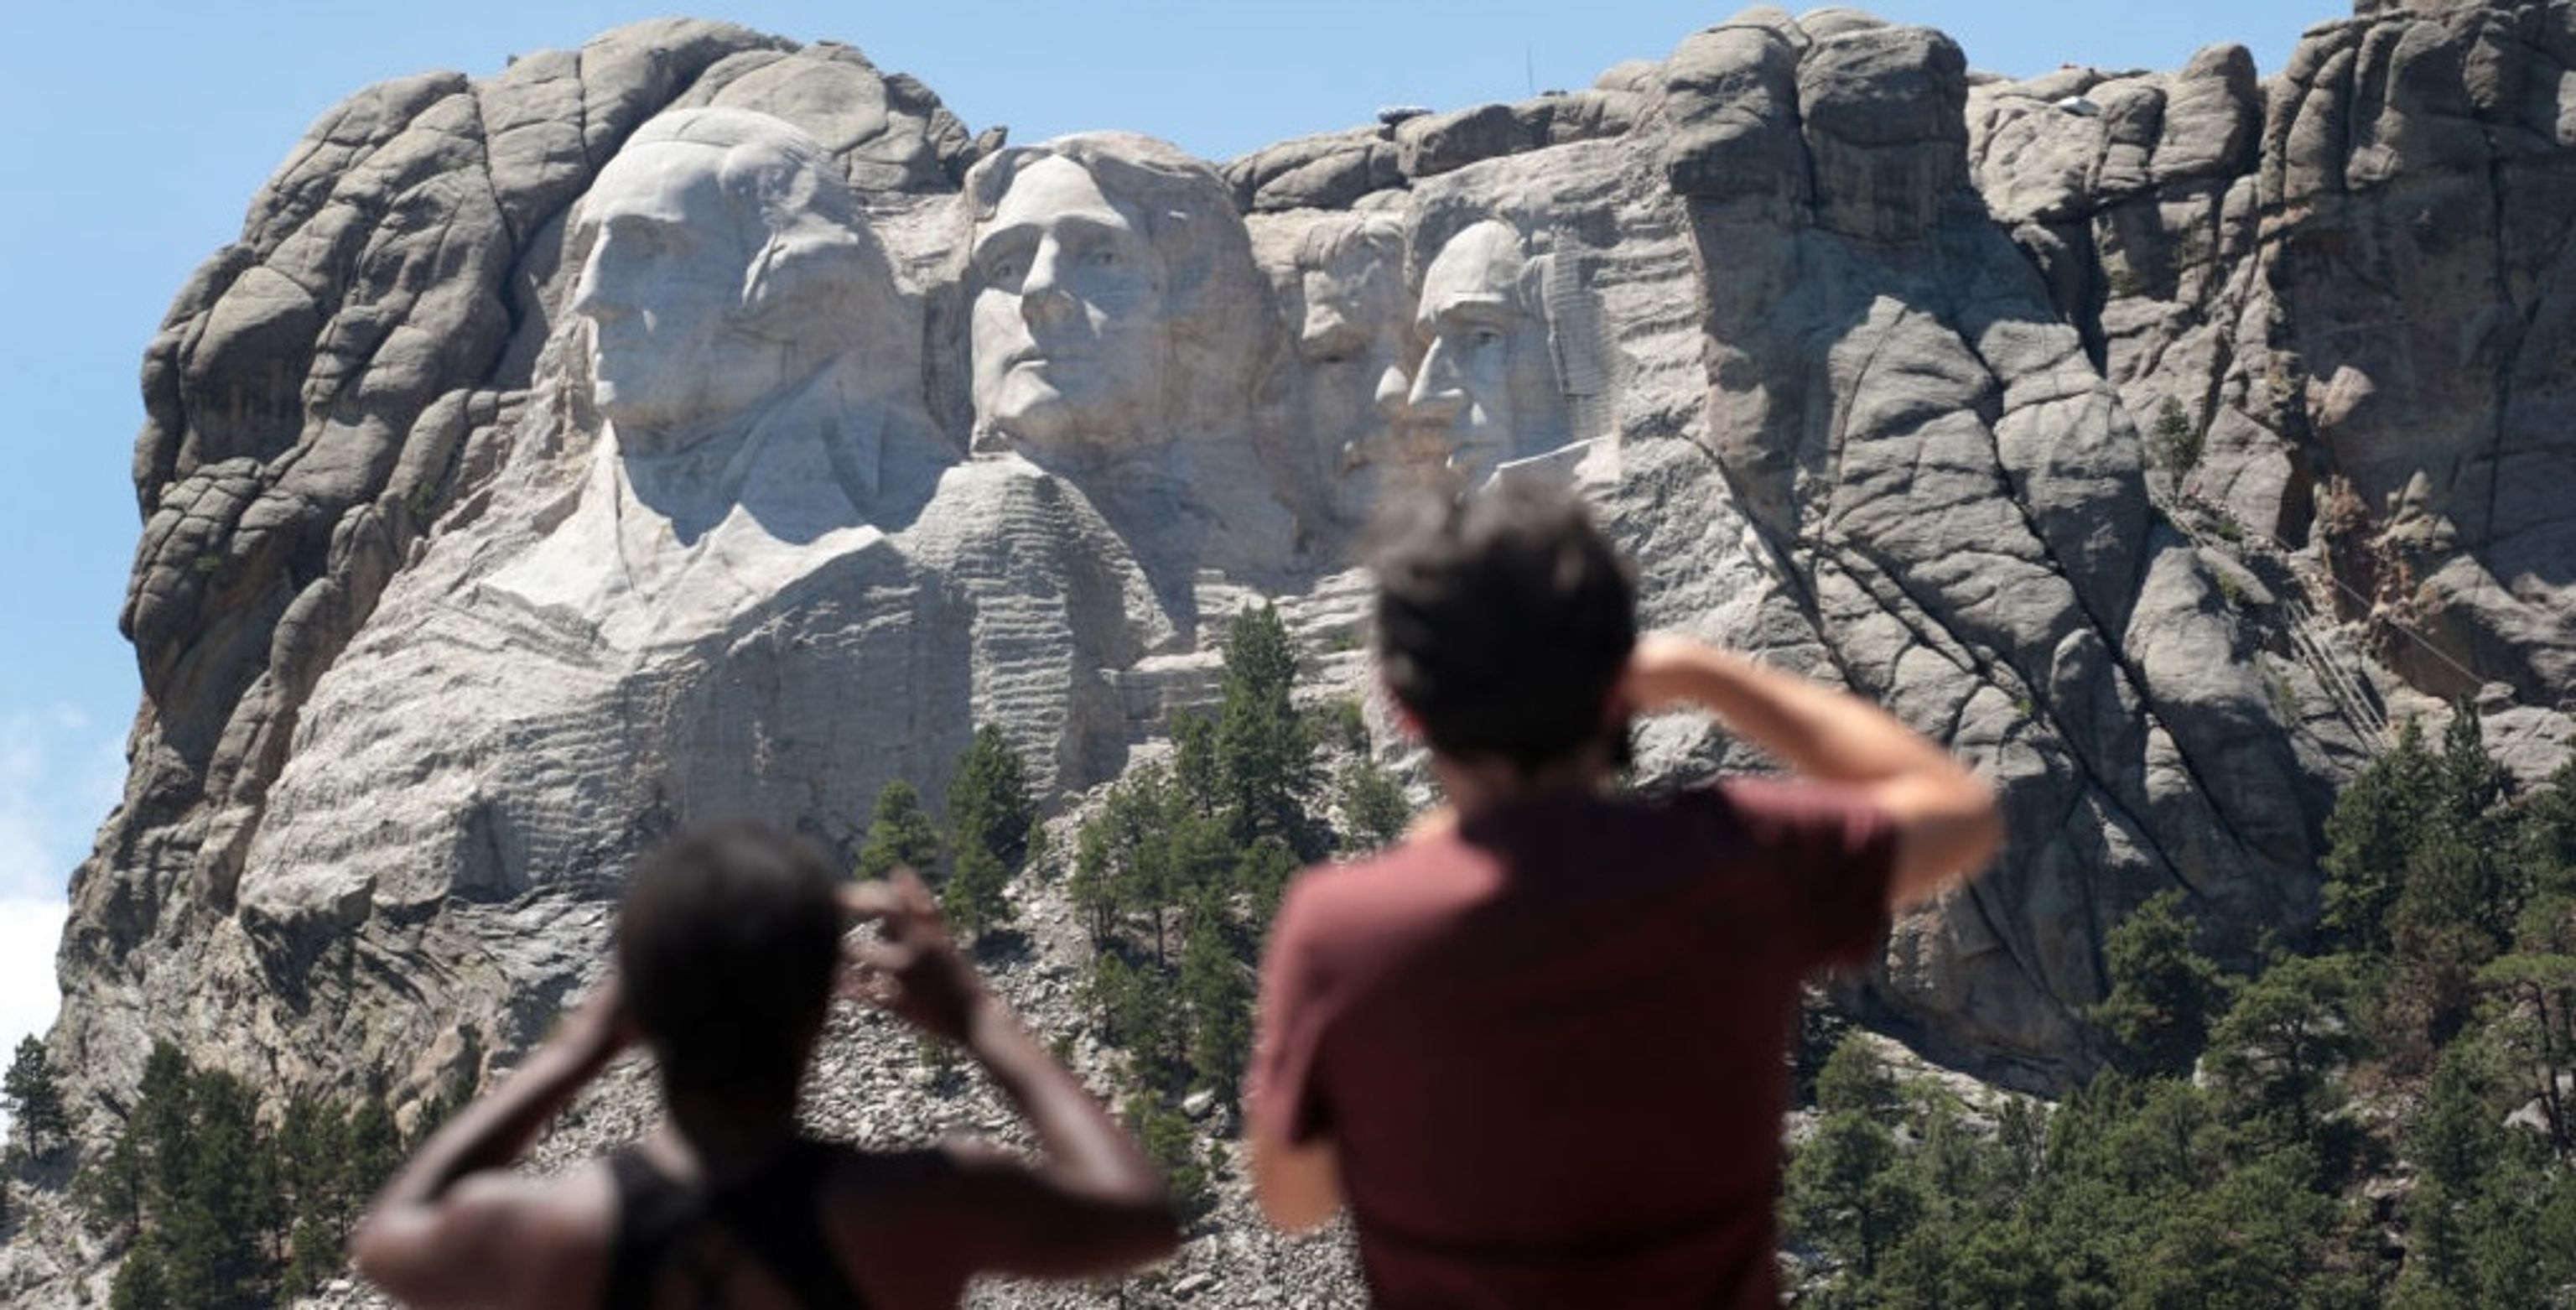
{"x": 1119, "y": 335}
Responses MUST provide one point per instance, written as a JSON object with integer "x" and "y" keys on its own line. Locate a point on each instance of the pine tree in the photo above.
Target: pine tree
{"x": 988, "y": 801}
{"x": 1265, "y": 750}
{"x": 1093, "y": 885}
{"x": 215, "y": 1228}
{"x": 140, "y": 1283}
{"x": 1842, "y": 1190}
{"x": 1133, "y": 867}
{"x": 1196, "y": 769}
{"x": 2164, "y": 995}
{"x": 1171, "y": 1144}
{"x": 899, "y": 836}
{"x": 2373, "y": 830}
{"x": 2279, "y": 1054}
{"x": 2175, "y": 444}
{"x": 1374, "y": 810}
{"x": 1216, "y": 987}
{"x": 38, "y": 1125}
{"x": 2456, "y": 1146}
{"x": 201, "y": 1177}
{"x": 1854, "y": 1079}
{"x": 974, "y": 898}
{"x": 1261, "y": 873}
{"x": 373, "y": 1143}
{"x": 1140, "y": 1012}
{"x": 2536, "y": 1024}
{"x": 312, "y": 1143}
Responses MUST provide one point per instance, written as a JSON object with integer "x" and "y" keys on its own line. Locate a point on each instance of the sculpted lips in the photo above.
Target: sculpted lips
{"x": 1036, "y": 359}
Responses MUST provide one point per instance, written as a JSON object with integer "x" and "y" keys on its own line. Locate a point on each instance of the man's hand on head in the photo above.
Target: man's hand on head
{"x": 1947, "y": 820}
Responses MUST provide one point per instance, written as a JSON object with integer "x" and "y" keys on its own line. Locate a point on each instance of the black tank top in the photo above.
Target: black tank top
{"x": 774, "y": 1214}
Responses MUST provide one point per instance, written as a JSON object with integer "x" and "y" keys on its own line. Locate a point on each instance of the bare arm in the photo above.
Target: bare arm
{"x": 1094, "y": 1204}
{"x": 1299, "y": 1186}
{"x": 448, "y": 1229}
{"x": 1946, "y": 819}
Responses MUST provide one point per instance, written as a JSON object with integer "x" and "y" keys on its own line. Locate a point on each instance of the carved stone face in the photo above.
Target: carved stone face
{"x": 1068, "y": 325}
{"x": 663, "y": 289}
{"x": 1486, "y": 377}
{"x": 1351, "y": 338}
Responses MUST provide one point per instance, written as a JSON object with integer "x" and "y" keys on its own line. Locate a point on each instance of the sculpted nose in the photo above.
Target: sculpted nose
{"x": 592, "y": 296}
{"x": 1435, "y": 393}
{"x": 1394, "y": 392}
{"x": 1044, "y": 301}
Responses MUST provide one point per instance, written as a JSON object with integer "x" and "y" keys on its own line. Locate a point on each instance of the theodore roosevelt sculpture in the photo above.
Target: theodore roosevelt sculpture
{"x": 1339, "y": 281}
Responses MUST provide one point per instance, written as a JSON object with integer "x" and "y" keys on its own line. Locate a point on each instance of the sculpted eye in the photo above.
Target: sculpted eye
{"x": 1105, "y": 257}
{"x": 1006, "y": 268}
{"x": 1485, "y": 336}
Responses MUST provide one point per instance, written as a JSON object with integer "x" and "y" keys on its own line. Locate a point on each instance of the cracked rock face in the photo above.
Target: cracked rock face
{"x": 2152, "y": 438}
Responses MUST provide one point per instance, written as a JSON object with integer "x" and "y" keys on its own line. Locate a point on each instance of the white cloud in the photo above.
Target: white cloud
{"x": 59, "y": 775}
{"x": 29, "y": 931}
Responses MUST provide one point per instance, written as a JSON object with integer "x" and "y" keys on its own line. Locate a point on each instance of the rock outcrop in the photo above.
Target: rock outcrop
{"x": 2152, "y": 438}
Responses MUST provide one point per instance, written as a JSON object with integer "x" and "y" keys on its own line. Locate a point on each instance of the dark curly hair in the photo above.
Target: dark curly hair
{"x": 1504, "y": 621}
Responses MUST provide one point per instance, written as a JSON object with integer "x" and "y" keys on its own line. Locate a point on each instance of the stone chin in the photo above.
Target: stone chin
{"x": 1066, "y": 406}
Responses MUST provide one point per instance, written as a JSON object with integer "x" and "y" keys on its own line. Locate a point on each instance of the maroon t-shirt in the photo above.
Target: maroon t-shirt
{"x": 1549, "y": 1046}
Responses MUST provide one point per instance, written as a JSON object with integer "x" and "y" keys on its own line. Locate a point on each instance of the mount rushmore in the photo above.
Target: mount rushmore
{"x": 696, "y": 423}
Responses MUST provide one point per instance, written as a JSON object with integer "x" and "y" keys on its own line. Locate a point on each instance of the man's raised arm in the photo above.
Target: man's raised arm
{"x": 1947, "y": 822}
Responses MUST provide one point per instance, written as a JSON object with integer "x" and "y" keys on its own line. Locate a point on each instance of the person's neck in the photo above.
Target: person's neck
{"x": 730, "y": 1135}
{"x": 1478, "y": 786}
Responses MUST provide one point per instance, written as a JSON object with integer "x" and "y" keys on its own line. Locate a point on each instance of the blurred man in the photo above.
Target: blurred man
{"x": 1539, "y": 1046}
{"x": 727, "y": 946}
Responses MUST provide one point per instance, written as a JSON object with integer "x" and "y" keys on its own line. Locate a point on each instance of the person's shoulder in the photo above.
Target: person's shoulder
{"x": 1370, "y": 878}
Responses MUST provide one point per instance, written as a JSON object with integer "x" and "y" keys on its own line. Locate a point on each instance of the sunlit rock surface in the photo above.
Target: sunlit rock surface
{"x": 697, "y": 424}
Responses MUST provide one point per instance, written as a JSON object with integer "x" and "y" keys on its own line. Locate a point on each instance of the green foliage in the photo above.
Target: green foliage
{"x": 988, "y": 801}
{"x": 2279, "y": 1055}
{"x": 2164, "y": 994}
{"x": 202, "y": 1182}
{"x": 1843, "y": 1195}
{"x": 38, "y": 1125}
{"x": 1216, "y": 989}
{"x": 1196, "y": 768}
{"x": 1173, "y": 1146}
{"x": 2174, "y": 445}
{"x": 1855, "y": 1079}
{"x": 1265, "y": 750}
{"x": 219, "y": 1209}
{"x": 1374, "y": 810}
{"x": 2445, "y": 1000}
{"x": 2431, "y": 864}
{"x": 974, "y": 898}
{"x": 900, "y": 835}
{"x": 2369, "y": 836}
{"x": 1345, "y": 725}
{"x": 1821, "y": 1029}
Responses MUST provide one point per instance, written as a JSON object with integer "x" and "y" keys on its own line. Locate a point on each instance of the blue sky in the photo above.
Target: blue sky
{"x": 144, "y": 127}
